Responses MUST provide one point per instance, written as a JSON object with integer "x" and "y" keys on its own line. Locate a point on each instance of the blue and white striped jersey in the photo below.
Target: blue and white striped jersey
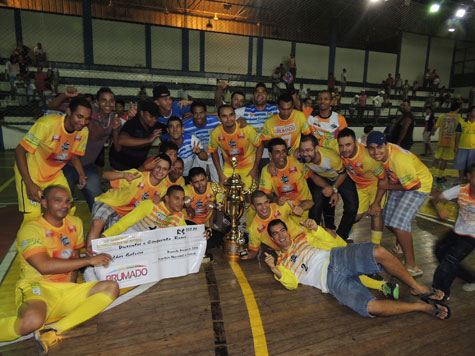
{"x": 185, "y": 151}
{"x": 202, "y": 133}
{"x": 256, "y": 118}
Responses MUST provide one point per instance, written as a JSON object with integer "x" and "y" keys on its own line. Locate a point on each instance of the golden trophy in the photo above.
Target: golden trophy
{"x": 233, "y": 204}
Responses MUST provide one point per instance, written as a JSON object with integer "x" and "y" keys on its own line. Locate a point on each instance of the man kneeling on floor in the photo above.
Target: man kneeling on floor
{"x": 48, "y": 249}
{"x": 299, "y": 261}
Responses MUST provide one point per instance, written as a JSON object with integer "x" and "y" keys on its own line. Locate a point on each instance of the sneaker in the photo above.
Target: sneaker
{"x": 45, "y": 338}
{"x": 469, "y": 287}
{"x": 390, "y": 290}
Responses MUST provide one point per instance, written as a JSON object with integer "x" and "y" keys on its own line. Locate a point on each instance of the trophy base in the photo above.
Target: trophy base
{"x": 231, "y": 250}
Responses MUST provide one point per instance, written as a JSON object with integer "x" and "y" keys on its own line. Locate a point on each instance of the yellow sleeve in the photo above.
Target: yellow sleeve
{"x": 265, "y": 183}
{"x": 81, "y": 148}
{"x": 28, "y": 241}
{"x": 302, "y": 167}
{"x": 182, "y": 221}
{"x": 336, "y": 162}
{"x": 254, "y": 238}
{"x": 406, "y": 172}
{"x": 304, "y": 128}
{"x": 288, "y": 280}
{"x": 252, "y": 135}
{"x": 213, "y": 141}
{"x": 141, "y": 211}
{"x": 80, "y": 230}
{"x": 439, "y": 121}
{"x": 323, "y": 240}
{"x": 38, "y": 133}
{"x": 266, "y": 133}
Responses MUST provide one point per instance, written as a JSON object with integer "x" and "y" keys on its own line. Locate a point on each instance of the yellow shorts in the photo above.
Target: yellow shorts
{"x": 60, "y": 298}
{"x": 366, "y": 197}
{"x": 30, "y": 208}
{"x": 246, "y": 179}
{"x": 445, "y": 153}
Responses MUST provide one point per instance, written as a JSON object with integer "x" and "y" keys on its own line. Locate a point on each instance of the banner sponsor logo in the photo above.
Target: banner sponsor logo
{"x": 127, "y": 273}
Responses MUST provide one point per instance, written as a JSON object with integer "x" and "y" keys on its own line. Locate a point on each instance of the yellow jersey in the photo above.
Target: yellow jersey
{"x": 404, "y": 167}
{"x": 147, "y": 216}
{"x": 199, "y": 202}
{"x": 241, "y": 144}
{"x": 50, "y": 147}
{"x": 39, "y": 236}
{"x": 447, "y": 124}
{"x": 330, "y": 165}
{"x": 129, "y": 195}
{"x": 180, "y": 181}
{"x": 289, "y": 130}
{"x": 467, "y": 134}
{"x": 258, "y": 228}
{"x": 362, "y": 169}
{"x": 290, "y": 181}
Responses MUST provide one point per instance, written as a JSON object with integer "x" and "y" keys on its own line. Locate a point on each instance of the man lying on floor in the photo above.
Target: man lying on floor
{"x": 334, "y": 271}
{"x": 48, "y": 248}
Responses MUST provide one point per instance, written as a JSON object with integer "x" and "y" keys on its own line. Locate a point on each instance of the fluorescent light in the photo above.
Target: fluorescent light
{"x": 460, "y": 13}
{"x": 434, "y": 8}
{"x": 373, "y": 1}
{"x": 452, "y": 29}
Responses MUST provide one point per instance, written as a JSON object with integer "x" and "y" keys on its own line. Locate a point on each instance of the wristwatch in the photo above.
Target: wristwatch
{"x": 335, "y": 189}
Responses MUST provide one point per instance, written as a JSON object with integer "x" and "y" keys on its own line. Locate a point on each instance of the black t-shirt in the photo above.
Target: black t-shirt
{"x": 133, "y": 157}
{"x": 407, "y": 140}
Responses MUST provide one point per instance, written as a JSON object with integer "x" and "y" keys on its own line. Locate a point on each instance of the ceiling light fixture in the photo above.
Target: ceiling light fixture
{"x": 434, "y": 8}
{"x": 452, "y": 29}
{"x": 460, "y": 13}
{"x": 209, "y": 25}
{"x": 215, "y": 18}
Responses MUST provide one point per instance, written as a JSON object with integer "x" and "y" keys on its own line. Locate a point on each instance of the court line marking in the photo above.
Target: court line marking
{"x": 430, "y": 218}
{"x": 6, "y": 184}
{"x": 7, "y": 262}
{"x": 258, "y": 334}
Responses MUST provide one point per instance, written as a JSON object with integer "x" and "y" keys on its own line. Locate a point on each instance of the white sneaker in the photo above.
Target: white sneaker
{"x": 469, "y": 287}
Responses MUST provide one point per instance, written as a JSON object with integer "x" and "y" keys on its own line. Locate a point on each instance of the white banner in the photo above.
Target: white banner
{"x": 151, "y": 256}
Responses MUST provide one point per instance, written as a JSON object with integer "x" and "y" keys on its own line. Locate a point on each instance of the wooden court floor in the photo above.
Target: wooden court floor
{"x": 207, "y": 313}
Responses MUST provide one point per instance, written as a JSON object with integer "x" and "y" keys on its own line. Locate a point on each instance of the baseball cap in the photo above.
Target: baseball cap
{"x": 376, "y": 137}
{"x": 160, "y": 92}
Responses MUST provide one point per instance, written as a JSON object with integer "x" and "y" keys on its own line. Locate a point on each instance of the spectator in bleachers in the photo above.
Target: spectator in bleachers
{"x": 405, "y": 90}
{"x": 366, "y": 131}
{"x": 398, "y": 84}
{"x": 183, "y": 93}
{"x": 426, "y": 83}
{"x": 142, "y": 94}
{"x": 401, "y": 134}
{"x": 362, "y": 105}
{"x": 432, "y": 76}
{"x": 471, "y": 96}
{"x": 22, "y": 52}
{"x": 12, "y": 69}
{"x": 307, "y": 106}
{"x": 24, "y": 69}
{"x": 56, "y": 77}
{"x": 275, "y": 84}
{"x": 303, "y": 94}
{"x": 168, "y": 107}
{"x": 103, "y": 123}
{"x": 19, "y": 87}
{"x": 429, "y": 121}
{"x": 435, "y": 84}
{"x": 136, "y": 138}
{"x": 120, "y": 110}
{"x": 189, "y": 146}
{"x": 291, "y": 63}
{"x": 331, "y": 82}
{"x": 447, "y": 124}
{"x": 336, "y": 98}
{"x": 40, "y": 55}
{"x": 377, "y": 103}
{"x": 415, "y": 86}
{"x": 389, "y": 83}
{"x": 465, "y": 143}
{"x": 201, "y": 126}
{"x": 343, "y": 78}
{"x": 40, "y": 81}
{"x": 236, "y": 100}
{"x": 353, "y": 105}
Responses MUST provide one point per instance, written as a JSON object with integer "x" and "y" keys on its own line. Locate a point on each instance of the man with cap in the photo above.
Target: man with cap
{"x": 409, "y": 183}
{"x": 168, "y": 107}
{"x": 136, "y": 138}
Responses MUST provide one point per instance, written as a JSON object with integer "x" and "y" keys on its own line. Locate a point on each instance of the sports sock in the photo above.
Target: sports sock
{"x": 371, "y": 283}
{"x": 7, "y": 329}
{"x": 376, "y": 236}
{"x": 92, "y": 306}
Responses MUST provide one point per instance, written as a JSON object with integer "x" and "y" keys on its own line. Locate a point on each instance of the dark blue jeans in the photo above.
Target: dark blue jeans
{"x": 93, "y": 186}
{"x": 450, "y": 252}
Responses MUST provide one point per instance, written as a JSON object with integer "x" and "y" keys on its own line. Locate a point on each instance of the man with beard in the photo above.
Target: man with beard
{"x": 237, "y": 97}
{"x": 364, "y": 171}
{"x": 330, "y": 179}
{"x": 409, "y": 183}
{"x": 401, "y": 134}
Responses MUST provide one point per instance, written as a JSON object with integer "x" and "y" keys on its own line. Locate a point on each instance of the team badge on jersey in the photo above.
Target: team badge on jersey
{"x": 66, "y": 146}
{"x": 277, "y": 214}
{"x": 141, "y": 185}
{"x": 261, "y": 228}
{"x": 232, "y": 143}
{"x": 145, "y": 196}
{"x": 284, "y": 179}
{"x": 77, "y": 138}
{"x": 55, "y": 138}
{"x": 241, "y": 135}
{"x": 221, "y": 138}
{"x": 293, "y": 258}
{"x": 49, "y": 233}
{"x": 65, "y": 241}
{"x": 293, "y": 169}
{"x": 71, "y": 228}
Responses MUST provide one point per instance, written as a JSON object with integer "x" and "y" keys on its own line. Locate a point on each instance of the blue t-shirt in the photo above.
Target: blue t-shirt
{"x": 256, "y": 118}
{"x": 176, "y": 111}
{"x": 204, "y": 132}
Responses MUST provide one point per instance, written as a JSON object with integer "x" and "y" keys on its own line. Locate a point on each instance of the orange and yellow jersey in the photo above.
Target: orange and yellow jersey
{"x": 327, "y": 127}
{"x": 330, "y": 143}
{"x": 362, "y": 169}
{"x": 404, "y": 167}
{"x": 129, "y": 195}
{"x": 147, "y": 216}
{"x": 306, "y": 260}
{"x": 258, "y": 228}
{"x": 199, "y": 202}
{"x": 39, "y": 236}
{"x": 241, "y": 144}
{"x": 307, "y": 110}
{"x": 50, "y": 147}
{"x": 289, "y": 130}
{"x": 447, "y": 124}
{"x": 290, "y": 181}
{"x": 180, "y": 181}
{"x": 330, "y": 165}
